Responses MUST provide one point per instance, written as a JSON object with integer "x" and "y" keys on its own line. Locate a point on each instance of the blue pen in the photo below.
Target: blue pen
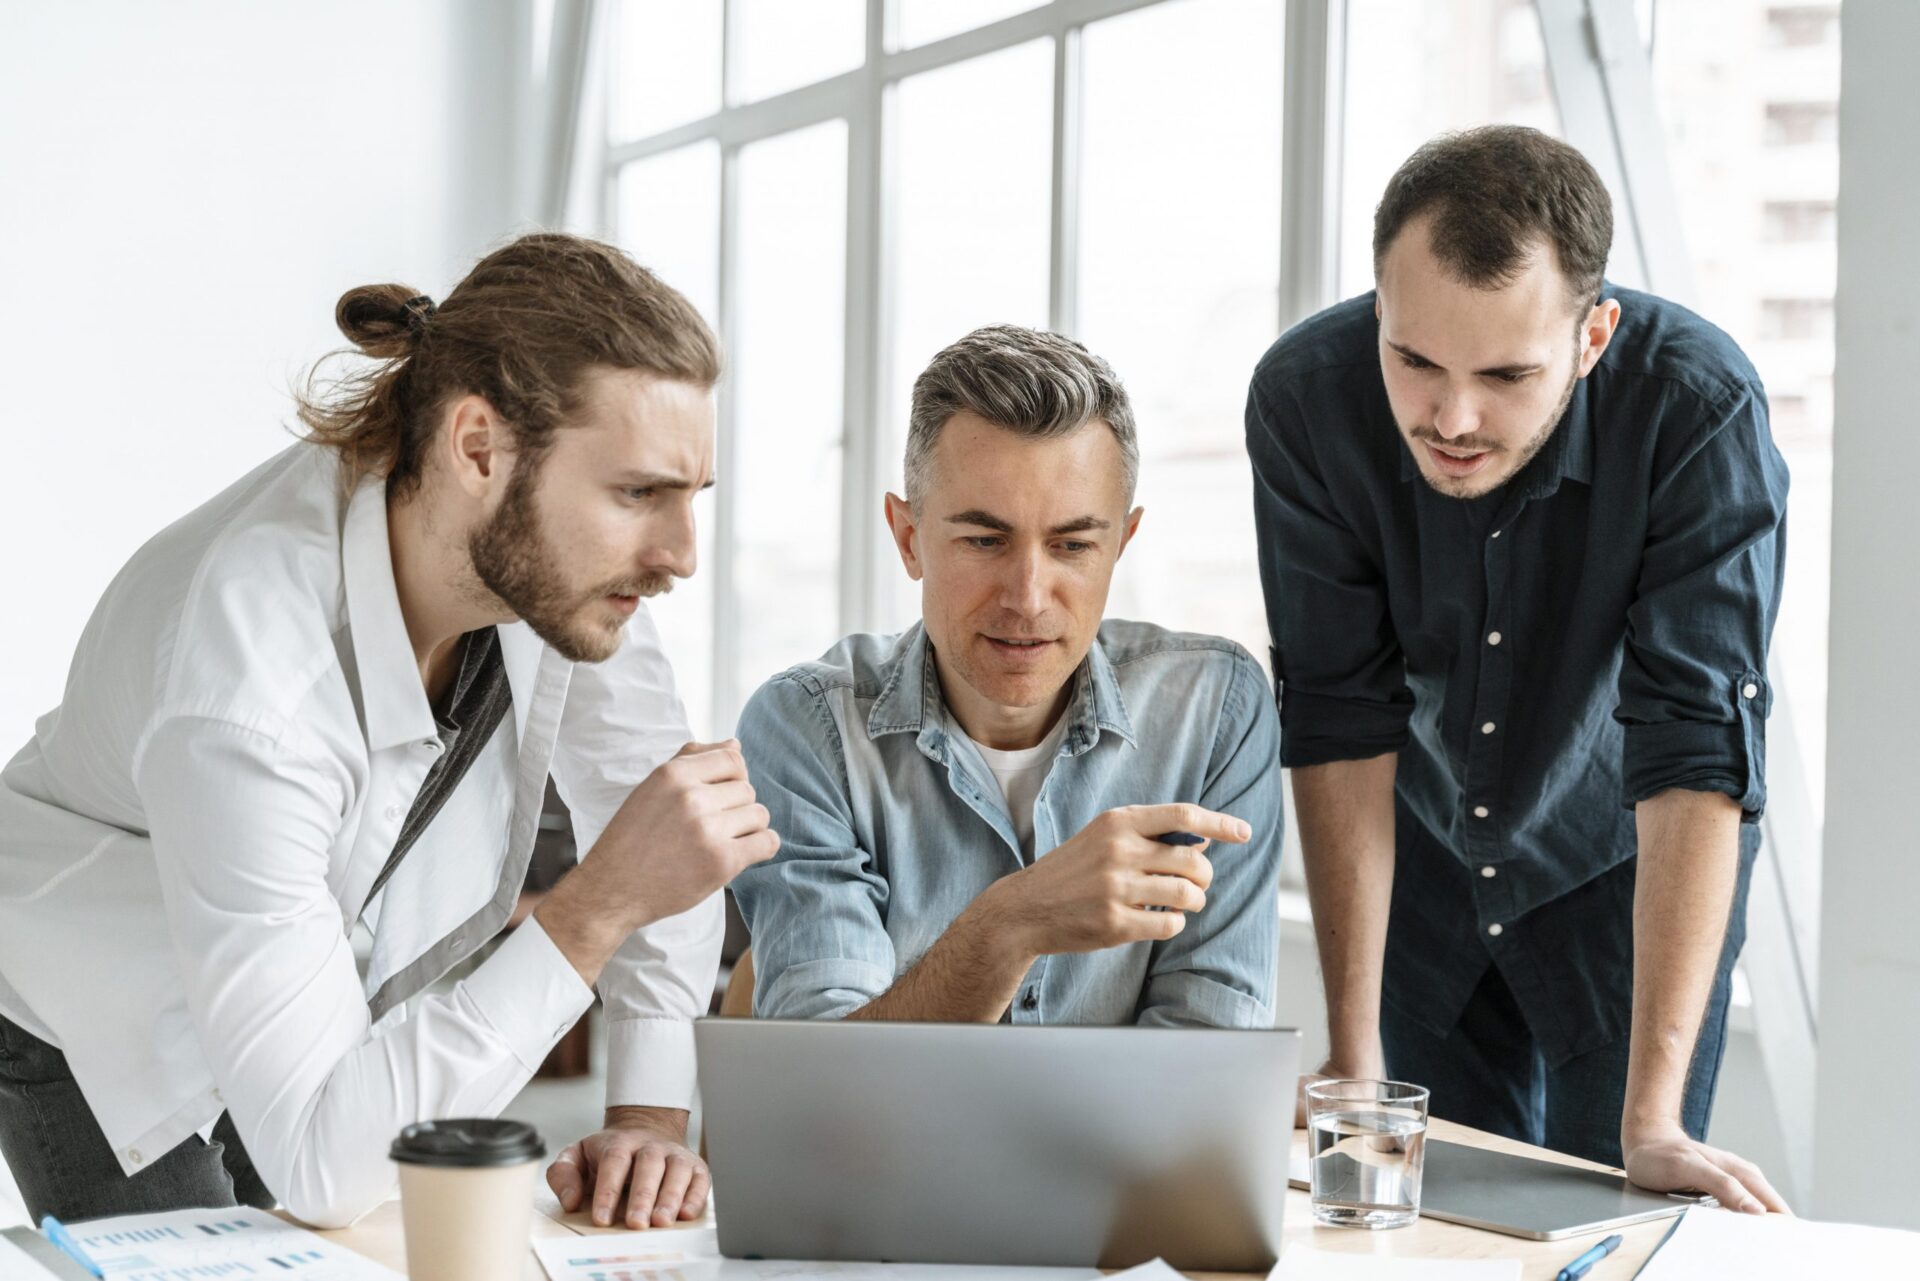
{"x": 56, "y": 1232}
{"x": 1578, "y": 1268}
{"x": 1177, "y": 838}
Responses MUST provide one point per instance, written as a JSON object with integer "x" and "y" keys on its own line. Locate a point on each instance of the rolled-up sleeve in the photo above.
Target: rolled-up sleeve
{"x": 816, "y": 911}
{"x": 1694, "y": 694}
{"x": 1219, "y": 970}
{"x": 1338, "y": 667}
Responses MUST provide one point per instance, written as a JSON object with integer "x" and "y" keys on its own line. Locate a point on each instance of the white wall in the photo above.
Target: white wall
{"x": 1869, "y": 1060}
{"x": 185, "y": 189}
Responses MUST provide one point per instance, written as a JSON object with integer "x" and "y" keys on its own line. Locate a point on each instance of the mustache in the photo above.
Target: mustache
{"x": 1461, "y": 444}
{"x": 657, "y": 584}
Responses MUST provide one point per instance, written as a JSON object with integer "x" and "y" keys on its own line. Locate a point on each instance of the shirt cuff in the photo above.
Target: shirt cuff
{"x": 1186, "y": 999}
{"x": 1696, "y": 757}
{"x": 1317, "y": 729}
{"x": 529, "y": 992}
{"x": 650, "y": 1063}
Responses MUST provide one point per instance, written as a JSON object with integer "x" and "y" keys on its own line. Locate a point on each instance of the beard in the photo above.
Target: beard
{"x": 1463, "y": 488}
{"x": 521, "y": 569}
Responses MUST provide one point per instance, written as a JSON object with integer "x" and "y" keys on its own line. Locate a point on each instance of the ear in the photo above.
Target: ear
{"x": 477, "y": 447}
{"x": 1596, "y": 331}
{"x": 1132, "y": 528}
{"x": 905, "y": 527}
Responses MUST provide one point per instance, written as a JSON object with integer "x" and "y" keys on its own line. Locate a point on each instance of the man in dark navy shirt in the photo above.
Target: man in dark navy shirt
{"x": 1521, "y": 538}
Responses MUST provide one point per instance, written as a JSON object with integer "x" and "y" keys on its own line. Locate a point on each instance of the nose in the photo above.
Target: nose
{"x": 1456, "y": 415}
{"x": 673, "y": 544}
{"x": 1024, "y": 587}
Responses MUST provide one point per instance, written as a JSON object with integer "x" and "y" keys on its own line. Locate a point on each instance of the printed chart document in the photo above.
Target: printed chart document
{"x": 195, "y": 1245}
{"x": 1304, "y": 1263}
{"x": 1756, "y": 1247}
{"x": 695, "y": 1256}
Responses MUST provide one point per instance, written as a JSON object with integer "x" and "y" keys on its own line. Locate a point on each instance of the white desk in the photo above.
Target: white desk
{"x": 378, "y": 1235}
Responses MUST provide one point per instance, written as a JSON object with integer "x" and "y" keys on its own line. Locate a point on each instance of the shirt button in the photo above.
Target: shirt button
{"x": 430, "y": 745}
{"x": 1749, "y": 690}
{"x": 1031, "y": 1001}
{"x": 134, "y": 1157}
{"x": 1494, "y": 929}
{"x": 1489, "y": 873}
{"x": 1487, "y": 728}
{"x": 393, "y": 811}
{"x": 1493, "y": 638}
{"x": 1479, "y": 811}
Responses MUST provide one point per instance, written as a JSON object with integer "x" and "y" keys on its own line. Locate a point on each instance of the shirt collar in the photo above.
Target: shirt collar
{"x": 393, "y": 702}
{"x": 910, "y": 702}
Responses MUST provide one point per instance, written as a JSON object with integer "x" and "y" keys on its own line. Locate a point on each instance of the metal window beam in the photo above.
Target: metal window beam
{"x": 1312, "y": 137}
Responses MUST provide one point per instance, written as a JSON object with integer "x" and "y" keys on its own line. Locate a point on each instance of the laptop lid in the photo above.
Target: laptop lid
{"x": 968, "y": 1143}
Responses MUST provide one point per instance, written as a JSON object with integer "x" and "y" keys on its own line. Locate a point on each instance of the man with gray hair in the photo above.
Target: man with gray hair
{"x": 1014, "y": 810}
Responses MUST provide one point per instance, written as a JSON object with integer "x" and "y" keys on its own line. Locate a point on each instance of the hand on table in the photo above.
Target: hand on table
{"x": 641, "y": 1158}
{"x": 1368, "y": 1067}
{"x": 1666, "y": 1159}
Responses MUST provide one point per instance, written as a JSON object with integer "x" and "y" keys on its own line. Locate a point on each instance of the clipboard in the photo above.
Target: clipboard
{"x": 1522, "y": 1196}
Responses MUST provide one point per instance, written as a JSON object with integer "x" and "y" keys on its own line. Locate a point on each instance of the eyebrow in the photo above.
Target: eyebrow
{"x": 987, "y": 520}
{"x": 659, "y": 480}
{"x": 1508, "y": 370}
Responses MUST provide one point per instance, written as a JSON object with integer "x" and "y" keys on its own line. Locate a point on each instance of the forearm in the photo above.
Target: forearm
{"x": 1689, "y": 862}
{"x": 970, "y": 975}
{"x": 1345, "y": 811}
{"x": 576, "y": 917}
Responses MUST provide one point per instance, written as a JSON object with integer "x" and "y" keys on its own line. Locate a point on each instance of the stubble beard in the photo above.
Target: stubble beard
{"x": 519, "y": 569}
{"x": 1463, "y": 488}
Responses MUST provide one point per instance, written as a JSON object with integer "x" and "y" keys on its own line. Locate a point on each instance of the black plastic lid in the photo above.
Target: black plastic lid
{"x": 467, "y": 1143}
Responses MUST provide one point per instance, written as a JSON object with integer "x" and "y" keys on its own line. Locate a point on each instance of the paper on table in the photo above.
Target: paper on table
{"x": 1157, "y": 1270}
{"x": 695, "y": 1256}
{"x": 1304, "y": 1263}
{"x": 214, "y": 1243}
{"x": 1755, "y": 1247}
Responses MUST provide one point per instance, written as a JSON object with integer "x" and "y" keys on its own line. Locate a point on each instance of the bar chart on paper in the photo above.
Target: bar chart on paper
{"x": 217, "y": 1245}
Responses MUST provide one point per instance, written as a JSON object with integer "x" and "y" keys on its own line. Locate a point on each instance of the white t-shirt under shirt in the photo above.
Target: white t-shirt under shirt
{"x": 1020, "y": 775}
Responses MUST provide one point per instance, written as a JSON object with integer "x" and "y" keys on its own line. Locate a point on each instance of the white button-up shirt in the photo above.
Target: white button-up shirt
{"x": 187, "y": 842}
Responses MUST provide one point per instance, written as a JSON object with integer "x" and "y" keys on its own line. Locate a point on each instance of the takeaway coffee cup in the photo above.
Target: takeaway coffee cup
{"x": 466, "y": 1198}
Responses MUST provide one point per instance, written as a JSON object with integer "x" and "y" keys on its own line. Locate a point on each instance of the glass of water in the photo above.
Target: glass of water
{"x": 1366, "y": 1144}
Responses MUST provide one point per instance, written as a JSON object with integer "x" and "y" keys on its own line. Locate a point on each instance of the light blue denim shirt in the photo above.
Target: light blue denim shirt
{"x": 890, "y": 825}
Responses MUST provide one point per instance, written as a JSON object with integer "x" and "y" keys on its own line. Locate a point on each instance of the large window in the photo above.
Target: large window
{"x": 1750, "y": 96}
{"x": 845, "y": 186}
{"x": 1013, "y": 161}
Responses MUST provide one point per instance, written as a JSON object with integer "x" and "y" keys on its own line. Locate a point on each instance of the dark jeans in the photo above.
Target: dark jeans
{"x": 1488, "y": 1073}
{"x": 65, "y": 1166}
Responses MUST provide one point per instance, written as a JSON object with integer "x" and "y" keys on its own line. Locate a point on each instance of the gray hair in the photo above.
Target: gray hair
{"x": 1034, "y": 384}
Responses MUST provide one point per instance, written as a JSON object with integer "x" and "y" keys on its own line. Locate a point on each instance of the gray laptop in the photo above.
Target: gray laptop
{"x": 967, "y": 1143}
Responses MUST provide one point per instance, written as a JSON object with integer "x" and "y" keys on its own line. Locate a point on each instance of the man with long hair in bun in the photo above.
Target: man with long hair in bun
{"x": 333, "y": 696}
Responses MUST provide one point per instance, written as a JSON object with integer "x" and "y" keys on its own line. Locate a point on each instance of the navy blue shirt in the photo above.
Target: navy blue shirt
{"x": 1542, "y": 658}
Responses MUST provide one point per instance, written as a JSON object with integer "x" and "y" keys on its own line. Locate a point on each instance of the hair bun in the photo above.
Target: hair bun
{"x": 379, "y": 319}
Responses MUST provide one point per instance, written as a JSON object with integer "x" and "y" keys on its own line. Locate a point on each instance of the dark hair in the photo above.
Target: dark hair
{"x": 1034, "y": 384}
{"x": 521, "y": 330}
{"x": 1494, "y": 193}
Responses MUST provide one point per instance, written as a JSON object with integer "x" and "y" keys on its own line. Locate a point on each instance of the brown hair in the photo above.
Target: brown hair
{"x": 1035, "y": 384}
{"x": 1494, "y": 192}
{"x": 521, "y": 330}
